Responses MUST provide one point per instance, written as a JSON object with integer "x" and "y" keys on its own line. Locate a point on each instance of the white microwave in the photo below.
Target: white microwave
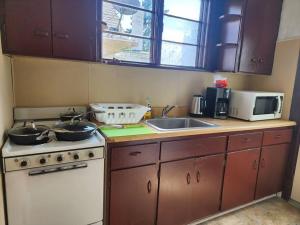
{"x": 254, "y": 105}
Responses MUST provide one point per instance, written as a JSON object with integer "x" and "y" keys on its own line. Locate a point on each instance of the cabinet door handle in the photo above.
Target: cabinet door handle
{"x": 135, "y": 153}
{"x": 255, "y": 165}
{"x": 260, "y": 60}
{"x": 41, "y": 33}
{"x": 254, "y": 60}
{"x": 62, "y": 36}
{"x": 263, "y": 163}
{"x": 188, "y": 178}
{"x": 149, "y": 186}
{"x": 198, "y": 176}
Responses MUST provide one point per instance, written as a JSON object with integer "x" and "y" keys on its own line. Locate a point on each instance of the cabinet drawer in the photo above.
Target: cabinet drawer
{"x": 172, "y": 150}
{"x": 277, "y": 136}
{"x": 244, "y": 141}
{"x": 130, "y": 156}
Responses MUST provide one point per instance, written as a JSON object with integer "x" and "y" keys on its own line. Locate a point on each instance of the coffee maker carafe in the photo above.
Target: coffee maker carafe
{"x": 217, "y": 102}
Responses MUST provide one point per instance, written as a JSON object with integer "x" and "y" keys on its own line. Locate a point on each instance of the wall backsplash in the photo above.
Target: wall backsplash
{"x": 47, "y": 82}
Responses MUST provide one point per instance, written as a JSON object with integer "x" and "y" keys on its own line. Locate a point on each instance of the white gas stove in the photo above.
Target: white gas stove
{"x": 58, "y": 182}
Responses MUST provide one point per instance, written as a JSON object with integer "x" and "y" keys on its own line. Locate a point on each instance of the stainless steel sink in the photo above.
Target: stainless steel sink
{"x": 173, "y": 124}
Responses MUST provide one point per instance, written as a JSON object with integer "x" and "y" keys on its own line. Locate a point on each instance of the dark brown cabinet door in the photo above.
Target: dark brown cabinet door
{"x": 260, "y": 31}
{"x": 28, "y": 27}
{"x": 269, "y": 26}
{"x": 207, "y": 189}
{"x": 271, "y": 170}
{"x": 175, "y": 192}
{"x": 74, "y": 29}
{"x": 251, "y": 29}
{"x": 133, "y": 196}
{"x": 240, "y": 178}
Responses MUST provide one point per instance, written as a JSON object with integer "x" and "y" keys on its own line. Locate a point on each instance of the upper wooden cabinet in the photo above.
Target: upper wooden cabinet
{"x": 74, "y": 24}
{"x": 249, "y": 30}
{"x": 27, "y": 28}
{"x": 57, "y": 28}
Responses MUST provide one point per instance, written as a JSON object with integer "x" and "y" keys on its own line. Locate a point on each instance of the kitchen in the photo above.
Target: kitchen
{"x": 52, "y": 82}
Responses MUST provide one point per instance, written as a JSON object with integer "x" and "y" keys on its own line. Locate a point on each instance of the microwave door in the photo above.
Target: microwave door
{"x": 266, "y": 106}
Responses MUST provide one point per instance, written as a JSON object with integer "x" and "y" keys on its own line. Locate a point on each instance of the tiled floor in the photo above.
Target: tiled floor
{"x": 270, "y": 212}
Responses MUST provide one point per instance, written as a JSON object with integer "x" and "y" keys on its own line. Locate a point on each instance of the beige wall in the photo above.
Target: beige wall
{"x": 6, "y": 104}
{"x": 47, "y": 82}
{"x": 290, "y": 17}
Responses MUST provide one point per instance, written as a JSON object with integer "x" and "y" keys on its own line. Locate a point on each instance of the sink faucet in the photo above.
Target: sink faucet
{"x": 166, "y": 110}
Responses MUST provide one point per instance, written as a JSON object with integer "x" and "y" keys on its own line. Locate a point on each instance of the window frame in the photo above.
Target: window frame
{"x": 156, "y": 37}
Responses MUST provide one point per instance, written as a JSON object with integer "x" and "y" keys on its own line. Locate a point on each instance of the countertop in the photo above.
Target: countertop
{"x": 224, "y": 126}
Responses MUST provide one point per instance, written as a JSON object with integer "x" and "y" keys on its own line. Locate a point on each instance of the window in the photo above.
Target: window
{"x": 164, "y": 33}
{"x": 128, "y": 32}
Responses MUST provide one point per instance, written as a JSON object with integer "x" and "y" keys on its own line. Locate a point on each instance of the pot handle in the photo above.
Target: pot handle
{"x": 43, "y": 135}
{"x": 32, "y": 124}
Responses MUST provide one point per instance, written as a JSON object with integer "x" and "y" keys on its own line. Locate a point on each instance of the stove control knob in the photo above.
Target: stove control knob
{"x": 43, "y": 161}
{"x": 76, "y": 156}
{"x": 23, "y": 163}
{"x": 91, "y": 155}
{"x": 59, "y": 158}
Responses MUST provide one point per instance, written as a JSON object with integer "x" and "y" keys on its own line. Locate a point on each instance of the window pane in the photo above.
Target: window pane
{"x": 126, "y": 20}
{"x": 188, "y": 8}
{"x": 179, "y": 30}
{"x": 178, "y": 54}
{"x": 144, "y": 4}
{"x": 126, "y": 48}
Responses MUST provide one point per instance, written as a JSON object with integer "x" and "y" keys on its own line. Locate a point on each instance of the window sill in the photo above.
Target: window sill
{"x": 148, "y": 65}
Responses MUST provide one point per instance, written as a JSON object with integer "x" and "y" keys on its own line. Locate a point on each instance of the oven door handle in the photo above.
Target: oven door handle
{"x": 58, "y": 169}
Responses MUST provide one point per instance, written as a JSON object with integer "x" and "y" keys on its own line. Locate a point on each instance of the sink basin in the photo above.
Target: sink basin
{"x": 173, "y": 124}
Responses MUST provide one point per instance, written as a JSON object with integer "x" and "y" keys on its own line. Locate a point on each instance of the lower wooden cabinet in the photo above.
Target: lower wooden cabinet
{"x": 189, "y": 189}
{"x": 182, "y": 186}
{"x": 175, "y": 192}
{"x": 133, "y": 197}
{"x": 272, "y": 168}
{"x": 240, "y": 178}
{"x": 207, "y": 192}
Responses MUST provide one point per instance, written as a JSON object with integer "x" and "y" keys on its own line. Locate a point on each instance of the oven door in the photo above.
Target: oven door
{"x": 67, "y": 197}
{"x": 267, "y": 107}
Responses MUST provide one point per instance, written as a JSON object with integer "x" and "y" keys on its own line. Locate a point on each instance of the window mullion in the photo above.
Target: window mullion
{"x": 158, "y": 29}
{"x": 200, "y": 34}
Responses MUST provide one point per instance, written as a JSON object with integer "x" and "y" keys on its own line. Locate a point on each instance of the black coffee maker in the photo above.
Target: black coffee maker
{"x": 217, "y": 102}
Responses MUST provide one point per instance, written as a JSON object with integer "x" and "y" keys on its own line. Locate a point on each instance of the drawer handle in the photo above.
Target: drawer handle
{"x": 188, "y": 178}
{"x": 255, "y": 165}
{"x": 198, "y": 176}
{"x": 149, "y": 186}
{"x": 40, "y": 33}
{"x": 263, "y": 163}
{"x": 247, "y": 140}
{"x": 278, "y": 136}
{"x": 135, "y": 153}
{"x": 62, "y": 36}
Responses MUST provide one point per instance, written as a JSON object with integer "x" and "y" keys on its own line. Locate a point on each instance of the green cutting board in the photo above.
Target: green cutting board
{"x": 129, "y": 131}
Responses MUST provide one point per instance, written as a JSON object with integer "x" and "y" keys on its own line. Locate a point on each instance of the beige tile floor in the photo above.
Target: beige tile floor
{"x": 270, "y": 212}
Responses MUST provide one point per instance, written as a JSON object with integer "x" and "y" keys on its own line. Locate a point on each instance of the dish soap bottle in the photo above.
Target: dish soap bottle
{"x": 148, "y": 114}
